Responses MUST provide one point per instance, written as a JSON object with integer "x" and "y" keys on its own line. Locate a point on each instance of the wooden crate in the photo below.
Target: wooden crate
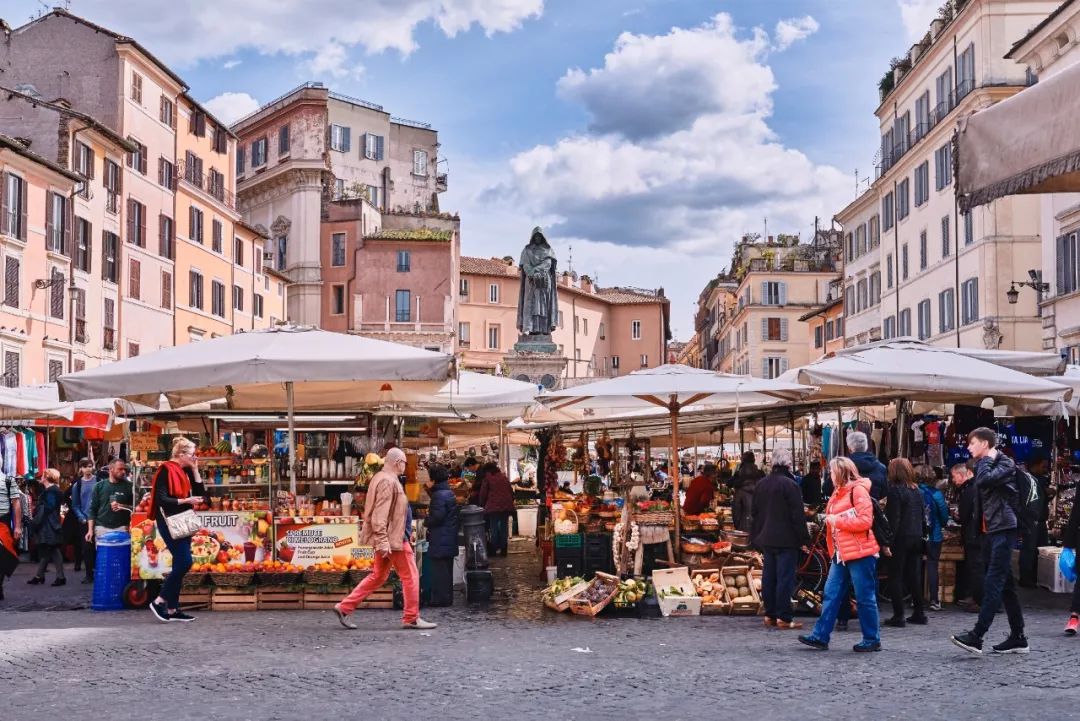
{"x": 741, "y": 608}
{"x": 721, "y": 607}
{"x": 196, "y": 598}
{"x": 582, "y": 607}
{"x": 279, "y": 598}
{"x": 234, "y": 599}
{"x": 324, "y": 599}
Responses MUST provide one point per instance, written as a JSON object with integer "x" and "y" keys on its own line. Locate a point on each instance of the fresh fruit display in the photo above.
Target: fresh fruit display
{"x": 630, "y": 591}
{"x": 598, "y": 590}
{"x": 710, "y": 588}
{"x": 653, "y": 506}
{"x": 561, "y": 586}
{"x": 671, "y": 591}
{"x": 372, "y": 465}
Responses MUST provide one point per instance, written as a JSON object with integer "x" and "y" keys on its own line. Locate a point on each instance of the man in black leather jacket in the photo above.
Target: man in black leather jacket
{"x": 995, "y": 475}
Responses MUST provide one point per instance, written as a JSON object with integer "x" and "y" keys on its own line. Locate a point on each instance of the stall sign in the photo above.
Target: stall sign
{"x": 227, "y": 537}
{"x": 333, "y": 540}
{"x": 144, "y": 442}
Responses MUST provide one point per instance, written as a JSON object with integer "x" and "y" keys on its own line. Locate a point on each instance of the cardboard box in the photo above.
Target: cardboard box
{"x": 1049, "y": 575}
{"x": 686, "y": 603}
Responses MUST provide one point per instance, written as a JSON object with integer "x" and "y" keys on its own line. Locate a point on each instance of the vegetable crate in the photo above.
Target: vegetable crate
{"x": 714, "y": 603}
{"x": 195, "y": 598}
{"x": 584, "y": 607}
{"x": 562, "y": 602}
{"x": 684, "y": 603}
{"x": 234, "y": 599}
{"x": 279, "y": 598}
{"x": 746, "y": 602}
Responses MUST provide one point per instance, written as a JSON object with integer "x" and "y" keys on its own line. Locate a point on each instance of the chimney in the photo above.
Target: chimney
{"x": 586, "y": 284}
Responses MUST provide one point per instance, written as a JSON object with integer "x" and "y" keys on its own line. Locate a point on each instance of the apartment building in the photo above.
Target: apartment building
{"x": 147, "y": 198}
{"x": 392, "y": 276}
{"x": 780, "y": 280}
{"x": 714, "y": 306}
{"x": 943, "y": 276}
{"x": 602, "y": 332}
{"x": 1047, "y": 49}
{"x": 311, "y": 147}
{"x": 825, "y": 324}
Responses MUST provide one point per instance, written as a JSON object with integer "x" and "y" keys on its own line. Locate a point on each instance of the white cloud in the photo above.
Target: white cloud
{"x": 229, "y": 107}
{"x": 679, "y": 161}
{"x": 230, "y": 64}
{"x": 332, "y": 59}
{"x": 917, "y": 15}
{"x": 186, "y": 31}
{"x": 790, "y": 31}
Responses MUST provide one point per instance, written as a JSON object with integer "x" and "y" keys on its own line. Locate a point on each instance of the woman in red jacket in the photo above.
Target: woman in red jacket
{"x": 497, "y": 498}
{"x": 854, "y": 551}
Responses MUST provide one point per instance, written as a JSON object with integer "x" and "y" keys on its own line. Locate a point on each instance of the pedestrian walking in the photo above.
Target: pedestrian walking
{"x": 386, "y": 528}
{"x": 1069, "y": 539}
{"x": 745, "y": 483}
{"x": 82, "y": 493}
{"x": 904, "y": 509}
{"x": 111, "y": 503}
{"x": 442, "y": 536}
{"x": 970, "y": 580}
{"x": 936, "y": 512}
{"x": 48, "y": 529}
{"x": 849, "y": 519}
{"x": 497, "y": 498}
{"x": 779, "y": 531}
{"x": 11, "y": 526}
{"x": 868, "y": 464}
{"x": 176, "y": 488}
{"x": 995, "y": 481}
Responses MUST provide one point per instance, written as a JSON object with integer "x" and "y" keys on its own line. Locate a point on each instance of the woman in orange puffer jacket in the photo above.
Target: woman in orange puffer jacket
{"x": 853, "y": 552}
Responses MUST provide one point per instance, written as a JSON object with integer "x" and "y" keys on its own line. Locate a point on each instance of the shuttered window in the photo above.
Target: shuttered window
{"x": 56, "y": 293}
{"x": 11, "y": 281}
{"x": 134, "y": 279}
{"x": 83, "y": 244}
{"x": 110, "y": 249}
{"x": 217, "y": 235}
{"x": 166, "y": 236}
{"x": 136, "y": 223}
{"x": 56, "y": 369}
{"x": 11, "y": 369}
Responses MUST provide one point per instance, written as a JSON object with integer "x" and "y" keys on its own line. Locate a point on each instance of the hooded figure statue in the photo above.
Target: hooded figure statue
{"x": 538, "y": 303}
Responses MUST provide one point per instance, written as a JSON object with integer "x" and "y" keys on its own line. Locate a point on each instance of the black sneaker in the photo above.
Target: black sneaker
{"x": 1013, "y": 644}
{"x": 814, "y": 643}
{"x": 866, "y": 647}
{"x": 160, "y": 611}
{"x": 894, "y": 622}
{"x": 918, "y": 620}
{"x": 181, "y": 616}
{"x": 58, "y": 582}
{"x": 969, "y": 642}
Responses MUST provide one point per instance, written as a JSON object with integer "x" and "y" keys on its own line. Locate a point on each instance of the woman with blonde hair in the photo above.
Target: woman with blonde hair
{"x": 47, "y": 528}
{"x": 170, "y": 494}
{"x": 853, "y": 549}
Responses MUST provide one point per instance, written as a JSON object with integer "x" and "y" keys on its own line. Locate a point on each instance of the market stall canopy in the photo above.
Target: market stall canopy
{"x": 917, "y": 371}
{"x": 1029, "y": 143}
{"x": 671, "y": 385}
{"x": 1031, "y": 362}
{"x": 327, "y": 371}
{"x": 1071, "y": 378}
{"x": 29, "y": 402}
{"x": 470, "y": 394}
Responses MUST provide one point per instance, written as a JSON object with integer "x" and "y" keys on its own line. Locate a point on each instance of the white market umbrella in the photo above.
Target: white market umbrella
{"x": 912, "y": 370}
{"x": 480, "y": 395}
{"x": 293, "y": 367}
{"x": 673, "y": 388}
{"x": 1070, "y": 378}
{"x": 28, "y": 402}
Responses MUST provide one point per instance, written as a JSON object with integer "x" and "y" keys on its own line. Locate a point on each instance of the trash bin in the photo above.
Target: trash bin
{"x": 112, "y": 571}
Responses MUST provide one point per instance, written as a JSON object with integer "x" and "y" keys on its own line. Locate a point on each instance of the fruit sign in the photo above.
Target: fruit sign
{"x": 228, "y": 540}
{"x": 310, "y": 540}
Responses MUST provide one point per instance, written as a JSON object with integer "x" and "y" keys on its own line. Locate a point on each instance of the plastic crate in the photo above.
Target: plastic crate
{"x": 569, "y": 562}
{"x": 569, "y": 540}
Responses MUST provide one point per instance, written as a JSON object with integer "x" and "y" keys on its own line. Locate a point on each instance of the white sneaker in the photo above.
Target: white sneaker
{"x": 344, "y": 618}
{"x": 420, "y": 625}
{"x": 935, "y": 606}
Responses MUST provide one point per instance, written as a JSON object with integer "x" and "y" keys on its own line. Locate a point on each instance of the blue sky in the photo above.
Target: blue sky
{"x": 645, "y": 134}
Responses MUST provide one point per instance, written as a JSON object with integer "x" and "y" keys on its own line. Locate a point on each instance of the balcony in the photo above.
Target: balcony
{"x": 210, "y": 184}
{"x": 440, "y": 182}
{"x": 80, "y": 330}
{"x": 108, "y": 338}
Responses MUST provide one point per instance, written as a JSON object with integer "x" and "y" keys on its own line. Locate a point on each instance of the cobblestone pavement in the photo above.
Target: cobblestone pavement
{"x": 512, "y": 659}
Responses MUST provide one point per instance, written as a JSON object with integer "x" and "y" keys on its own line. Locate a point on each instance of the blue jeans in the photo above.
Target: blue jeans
{"x": 778, "y": 581}
{"x": 497, "y": 532}
{"x": 861, "y": 573}
{"x": 180, "y": 548}
{"x": 999, "y": 584}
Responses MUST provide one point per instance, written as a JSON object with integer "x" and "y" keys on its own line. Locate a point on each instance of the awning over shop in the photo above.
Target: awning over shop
{"x": 1029, "y": 143}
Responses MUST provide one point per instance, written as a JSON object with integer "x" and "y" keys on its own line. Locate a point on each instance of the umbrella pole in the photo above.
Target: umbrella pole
{"x": 292, "y": 437}
{"x": 764, "y": 440}
{"x": 791, "y": 420}
{"x": 675, "y": 482}
{"x": 901, "y": 421}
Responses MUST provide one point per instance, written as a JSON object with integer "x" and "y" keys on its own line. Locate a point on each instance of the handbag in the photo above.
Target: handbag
{"x": 881, "y": 529}
{"x": 183, "y": 525}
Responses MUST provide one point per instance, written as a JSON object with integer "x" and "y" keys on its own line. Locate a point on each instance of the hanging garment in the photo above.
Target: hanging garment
{"x": 42, "y": 453}
{"x": 21, "y": 465}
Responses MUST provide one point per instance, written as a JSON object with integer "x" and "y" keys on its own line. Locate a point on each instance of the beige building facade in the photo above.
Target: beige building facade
{"x": 943, "y": 276}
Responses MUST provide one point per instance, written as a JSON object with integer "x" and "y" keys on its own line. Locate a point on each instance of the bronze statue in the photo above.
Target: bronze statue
{"x": 538, "y": 304}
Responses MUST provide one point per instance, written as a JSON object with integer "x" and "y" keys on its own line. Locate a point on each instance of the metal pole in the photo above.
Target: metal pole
{"x": 764, "y": 440}
{"x": 292, "y": 437}
{"x": 901, "y": 419}
{"x": 675, "y": 479}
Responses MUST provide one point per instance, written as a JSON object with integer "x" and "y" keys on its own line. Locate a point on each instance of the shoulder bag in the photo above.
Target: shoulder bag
{"x": 183, "y": 525}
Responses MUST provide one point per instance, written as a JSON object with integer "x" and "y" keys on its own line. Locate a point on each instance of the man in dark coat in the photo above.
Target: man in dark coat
{"x": 779, "y": 530}
{"x": 869, "y": 466}
{"x": 745, "y": 482}
{"x": 442, "y": 536}
{"x": 811, "y": 485}
{"x": 969, "y": 594}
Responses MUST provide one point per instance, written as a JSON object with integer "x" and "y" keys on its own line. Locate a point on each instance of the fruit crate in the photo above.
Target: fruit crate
{"x": 562, "y": 602}
{"x": 324, "y": 598}
{"x": 721, "y": 607}
{"x": 741, "y": 608}
{"x": 234, "y": 599}
{"x": 195, "y": 598}
{"x": 280, "y": 598}
{"x": 584, "y": 607}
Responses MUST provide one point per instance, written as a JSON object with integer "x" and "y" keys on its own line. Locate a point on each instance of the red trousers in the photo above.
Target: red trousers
{"x": 404, "y": 562}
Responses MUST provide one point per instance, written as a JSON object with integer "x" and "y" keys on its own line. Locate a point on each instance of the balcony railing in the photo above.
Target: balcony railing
{"x": 108, "y": 338}
{"x": 80, "y": 330}
{"x": 209, "y": 183}
{"x": 440, "y": 182}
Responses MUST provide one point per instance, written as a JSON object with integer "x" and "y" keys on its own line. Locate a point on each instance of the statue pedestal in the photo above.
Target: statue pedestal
{"x": 535, "y": 359}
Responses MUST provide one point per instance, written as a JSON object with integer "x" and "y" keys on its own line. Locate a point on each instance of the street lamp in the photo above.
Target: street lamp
{"x": 1035, "y": 283}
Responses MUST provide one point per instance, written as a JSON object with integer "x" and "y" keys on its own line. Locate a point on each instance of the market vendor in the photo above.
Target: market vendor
{"x": 701, "y": 491}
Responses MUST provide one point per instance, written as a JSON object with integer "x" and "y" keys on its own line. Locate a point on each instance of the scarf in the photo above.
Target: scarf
{"x": 179, "y": 484}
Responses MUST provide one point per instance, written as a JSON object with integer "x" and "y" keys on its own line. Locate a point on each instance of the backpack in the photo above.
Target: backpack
{"x": 881, "y": 528}
{"x": 1029, "y": 501}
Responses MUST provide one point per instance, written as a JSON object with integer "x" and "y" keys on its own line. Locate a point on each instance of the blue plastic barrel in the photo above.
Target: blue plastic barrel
{"x": 112, "y": 571}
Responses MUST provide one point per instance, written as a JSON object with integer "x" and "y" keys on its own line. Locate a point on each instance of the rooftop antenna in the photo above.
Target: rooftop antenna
{"x": 856, "y": 182}
{"x": 571, "y": 263}
{"x": 766, "y": 236}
